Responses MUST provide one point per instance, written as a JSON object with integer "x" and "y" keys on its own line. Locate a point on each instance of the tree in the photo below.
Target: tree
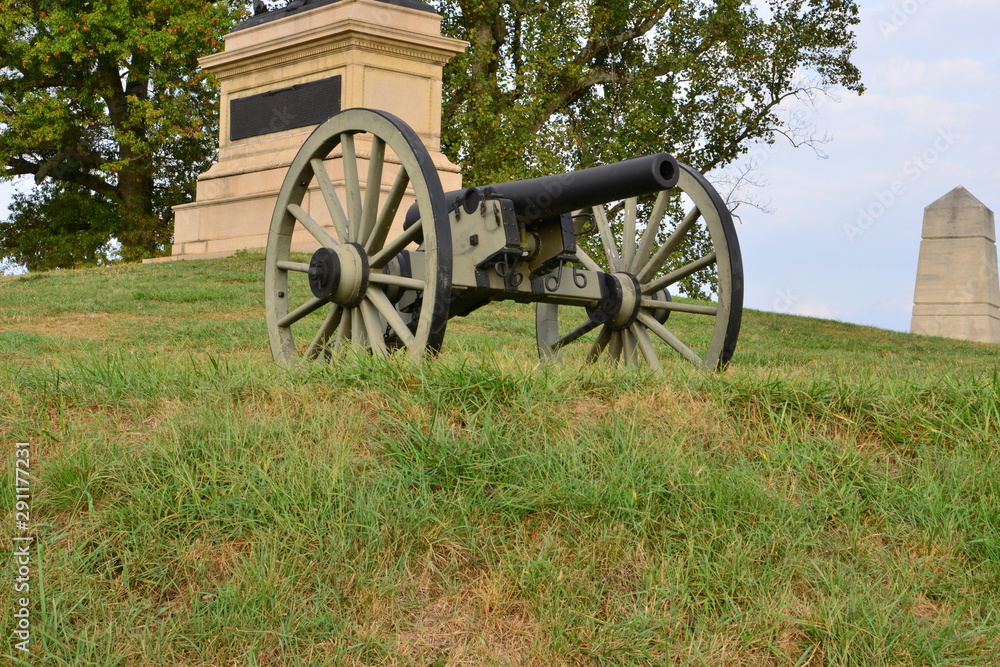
{"x": 574, "y": 84}
{"x": 59, "y": 225}
{"x": 103, "y": 100}
{"x": 553, "y": 85}
{"x": 105, "y": 96}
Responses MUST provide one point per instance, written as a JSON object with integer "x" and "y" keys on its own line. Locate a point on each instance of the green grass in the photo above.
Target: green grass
{"x": 831, "y": 499}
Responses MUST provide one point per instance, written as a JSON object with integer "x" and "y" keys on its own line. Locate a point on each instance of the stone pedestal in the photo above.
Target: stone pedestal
{"x": 388, "y": 55}
{"x": 957, "y": 293}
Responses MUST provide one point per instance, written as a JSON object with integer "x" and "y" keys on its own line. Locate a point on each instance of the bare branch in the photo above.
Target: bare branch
{"x": 734, "y": 186}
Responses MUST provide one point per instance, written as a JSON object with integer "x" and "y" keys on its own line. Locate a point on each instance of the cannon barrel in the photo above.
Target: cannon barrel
{"x": 537, "y": 199}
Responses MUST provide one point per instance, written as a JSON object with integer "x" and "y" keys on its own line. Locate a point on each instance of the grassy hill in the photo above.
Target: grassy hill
{"x": 833, "y": 498}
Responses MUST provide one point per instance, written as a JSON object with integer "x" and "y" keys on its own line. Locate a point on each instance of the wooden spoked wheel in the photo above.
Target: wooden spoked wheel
{"x": 649, "y": 323}
{"x": 358, "y": 288}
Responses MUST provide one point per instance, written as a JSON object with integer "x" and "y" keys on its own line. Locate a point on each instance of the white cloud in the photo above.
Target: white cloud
{"x": 928, "y": 112}
{"x": 973, "y": 5}
{"x": 902, "y": 74}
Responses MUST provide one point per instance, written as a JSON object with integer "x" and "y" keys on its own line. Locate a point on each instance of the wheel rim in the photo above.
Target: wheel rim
{"x": 353, "y": 291}
{"x": 661, "y": 326}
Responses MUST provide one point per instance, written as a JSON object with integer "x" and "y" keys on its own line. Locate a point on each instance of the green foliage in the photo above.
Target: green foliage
{"x": 58, "y": 226}
{"x": 569, "y": 84}
{"x": 105, "y": 96}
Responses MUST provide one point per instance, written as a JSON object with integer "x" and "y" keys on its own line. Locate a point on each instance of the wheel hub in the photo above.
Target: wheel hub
{"x": 631, "y": 296}
{"x": 619, "y": 305}
{"x": 324, "y": 273}
{"x": 339, "y": 274}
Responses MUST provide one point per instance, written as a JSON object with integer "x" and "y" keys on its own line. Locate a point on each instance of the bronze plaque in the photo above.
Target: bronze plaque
{"x": 283, "y": 109}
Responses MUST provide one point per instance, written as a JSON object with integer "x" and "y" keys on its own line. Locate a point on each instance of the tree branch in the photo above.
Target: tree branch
{"x": 599, "y": 45}
{"x": 537, "y": 8}
{"x": 18, "y": 166}
{"x": 574, "y": 88}
{"x": 727, "y": 154}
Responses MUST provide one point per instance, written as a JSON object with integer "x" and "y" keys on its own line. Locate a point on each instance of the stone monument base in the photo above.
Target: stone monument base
{"x": 961, "y": 323}
{"x": 284, "y": 71}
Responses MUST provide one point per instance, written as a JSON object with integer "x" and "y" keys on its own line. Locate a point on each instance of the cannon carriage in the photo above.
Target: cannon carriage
{"x": 388, "y": 277}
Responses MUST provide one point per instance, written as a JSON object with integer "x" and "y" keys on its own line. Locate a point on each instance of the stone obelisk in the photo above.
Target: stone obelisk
{"x": 957, "y": 293}
{"x": 284, "y": 72}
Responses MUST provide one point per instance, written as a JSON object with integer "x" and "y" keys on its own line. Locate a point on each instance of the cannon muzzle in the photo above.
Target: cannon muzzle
{"x": 537, "y": 199}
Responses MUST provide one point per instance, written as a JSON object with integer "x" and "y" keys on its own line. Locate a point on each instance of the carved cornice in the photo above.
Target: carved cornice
{"x": 318, "y": 41}
{"x": 316, "y": 51}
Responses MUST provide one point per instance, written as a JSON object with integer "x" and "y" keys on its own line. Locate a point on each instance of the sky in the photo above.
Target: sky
{"x": 841, "y": 235}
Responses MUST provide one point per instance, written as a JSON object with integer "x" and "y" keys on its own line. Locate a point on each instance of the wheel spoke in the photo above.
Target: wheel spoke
{"x": 332, "y": 200}
{"x": 388, "y": 213}
{"x": 645, "y": 346}
{"x": 669, "y": 338}
{"x": 301, "y": 267}
{"x": 600, "y": 344}
{"x": 309, "y": 306}
{"x": 312, "y": 226}
{"x": 587, "y": 261}
{"x": 676, "y": 306}
{"x": 345, "y": 329}
{"x": 322, "y": 336}
{"x": 649, "y": 234}
{"x": 679, "y": 274}
{"x": 610, "y": 250}
{"x": 392, "y": 318}
{"x": 628, "y": 233}
{"x": 397, "y": 281}
{"x": 373, "y": 189}
{"x": 657, "y": 260}
{"x": 628, "y": 348}
{"x": 615, "y": 345}
{"x": 358, "y": 328}
{"x": 373, "y": 328}
{"x": 581, "y": 330}
{"x": 351, "y": 184}
{"x": 383, "y": 256}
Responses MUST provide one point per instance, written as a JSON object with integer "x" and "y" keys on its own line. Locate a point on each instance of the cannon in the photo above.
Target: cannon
{"x": 388, "y": 278}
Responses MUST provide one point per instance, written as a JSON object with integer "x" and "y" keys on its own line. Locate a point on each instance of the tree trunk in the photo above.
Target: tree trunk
{"x": 141, "y": 230}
